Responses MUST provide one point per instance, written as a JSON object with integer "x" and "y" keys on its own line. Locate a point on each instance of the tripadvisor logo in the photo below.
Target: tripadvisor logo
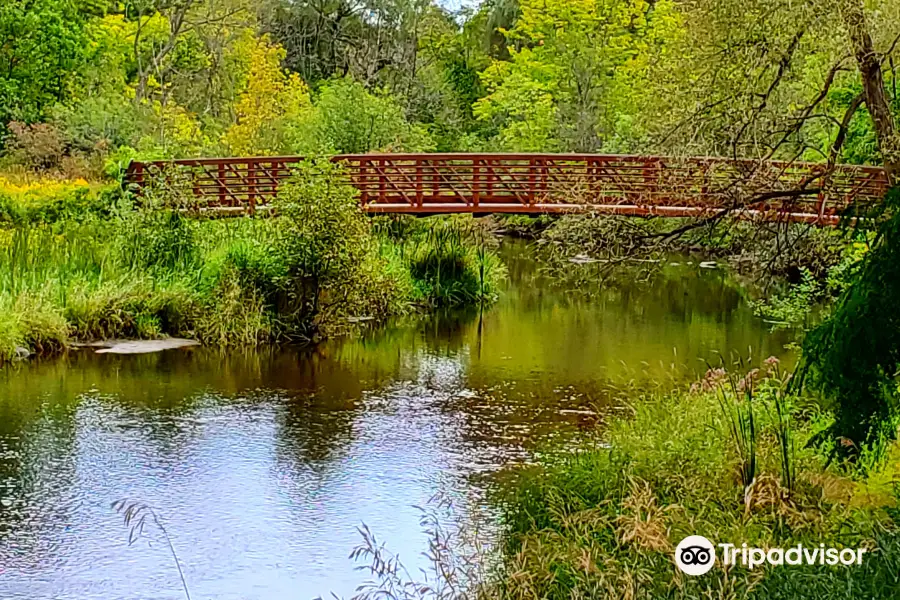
{"x": 696, "y": 555}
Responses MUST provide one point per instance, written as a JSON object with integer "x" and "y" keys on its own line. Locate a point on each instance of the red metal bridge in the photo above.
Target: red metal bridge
{"x": 542, "y": 183}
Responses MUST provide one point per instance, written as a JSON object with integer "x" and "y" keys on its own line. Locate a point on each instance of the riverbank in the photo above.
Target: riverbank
{"x": 82, "y": 262}
{"x": 728, "y": 460}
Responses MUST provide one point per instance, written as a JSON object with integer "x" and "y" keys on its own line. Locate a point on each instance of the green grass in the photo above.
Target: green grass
{"x": 308, "y": 273}
{"x": 453, "y": 265}
{"x": 603, "y": 523}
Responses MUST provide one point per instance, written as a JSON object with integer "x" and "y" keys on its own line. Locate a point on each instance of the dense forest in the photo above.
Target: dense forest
{"x": 86, "y": 85}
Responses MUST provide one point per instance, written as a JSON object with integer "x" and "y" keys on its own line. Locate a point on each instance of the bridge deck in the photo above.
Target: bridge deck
{"x": 541, "y": 183}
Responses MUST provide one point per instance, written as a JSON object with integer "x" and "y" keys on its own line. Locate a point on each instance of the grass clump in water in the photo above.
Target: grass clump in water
{"x": 450, "y": 261}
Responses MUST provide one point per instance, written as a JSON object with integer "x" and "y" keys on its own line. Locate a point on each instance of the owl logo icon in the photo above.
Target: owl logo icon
{"x": 695, "y": 555}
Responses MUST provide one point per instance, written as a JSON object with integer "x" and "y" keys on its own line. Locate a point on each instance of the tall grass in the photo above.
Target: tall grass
{"x": 737, "y": 403}
{"x": 604, "y": 523}
{"x": 452, "y": 263}
{"x": 149, "y": 271}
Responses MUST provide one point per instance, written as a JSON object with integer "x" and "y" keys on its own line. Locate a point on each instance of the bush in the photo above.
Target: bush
{"x": 39, "y": 146}
{"x": 52, "y": 201}
{"x": 139, "y": 308}
{"x": 329, "y": 254}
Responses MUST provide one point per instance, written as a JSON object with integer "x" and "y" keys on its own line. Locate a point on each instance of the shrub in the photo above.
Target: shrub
{"x": 234, "y": 315}
{"x": 325, "y": 243}
{"x": 37, "y": 146}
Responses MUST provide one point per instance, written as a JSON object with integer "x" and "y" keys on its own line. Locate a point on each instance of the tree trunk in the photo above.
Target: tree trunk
{"x": 873, "y": 87}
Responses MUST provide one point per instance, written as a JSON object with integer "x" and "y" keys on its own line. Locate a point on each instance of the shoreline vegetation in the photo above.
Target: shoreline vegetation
{"x": 729, "y": 459}
{"x": 81, "y": 263}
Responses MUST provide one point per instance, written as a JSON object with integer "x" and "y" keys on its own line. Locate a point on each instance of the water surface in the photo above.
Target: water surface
{"x": 262, "y": 465}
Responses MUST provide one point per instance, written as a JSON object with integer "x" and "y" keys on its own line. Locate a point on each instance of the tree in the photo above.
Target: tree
{"x": 41, "y": 45}
{"x": 348, "y": 119}
{"x": 853, "y": 356}
{"x": 576, "y": 71}
{"x": 270, "y": 100}
{"x": 871, "y": 65}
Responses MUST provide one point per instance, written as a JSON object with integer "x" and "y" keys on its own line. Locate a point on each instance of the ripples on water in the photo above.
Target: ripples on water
{"x": 262, "y": 465}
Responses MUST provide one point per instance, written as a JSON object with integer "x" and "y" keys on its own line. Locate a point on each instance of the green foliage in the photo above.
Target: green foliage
{"x": 29, "y": 322}
{"x": 450, "y": 265}
{"x": 203, "y": 78}
{"x": 329, "y": 254}
{"x": 323, "y": 228}
{"x": 157, "y": 239}
{"x": 42, "y": 48}
{"x": 792, "y": 307}
{"x": 737, "y": 404}
{"x": 78, "y": 263}
{"x": 100, "y": 123}
{"x": 853, "y": 356}
{"x": 57, "y": 203}
{"x": 574, "y": 87}
{"x": 348, "y": 119}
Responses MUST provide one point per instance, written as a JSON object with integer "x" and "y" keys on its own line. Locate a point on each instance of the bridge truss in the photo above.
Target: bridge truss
{"x": 541, "y": 183}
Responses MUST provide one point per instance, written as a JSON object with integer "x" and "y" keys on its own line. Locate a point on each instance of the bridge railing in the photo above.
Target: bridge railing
{"x": 445, "y": 183}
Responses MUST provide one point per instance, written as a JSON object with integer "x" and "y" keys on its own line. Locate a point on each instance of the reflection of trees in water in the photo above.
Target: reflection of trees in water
{"x": 450, "y": 331}
{"x": 315, "y": 425}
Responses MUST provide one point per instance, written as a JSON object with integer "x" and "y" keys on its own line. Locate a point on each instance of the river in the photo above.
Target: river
{"x": 261, "y": 465}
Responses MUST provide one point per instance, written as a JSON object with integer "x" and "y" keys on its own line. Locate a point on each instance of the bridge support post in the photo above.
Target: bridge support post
{"x": 382, "y": 183}
{"x": 419, "y": 176}
{"x": 435, "y": 181}
{"x": 363, "y": 182}
{"x": 221, "y": 191}
{"x": 476, "y": 176}
{"x": 251, "y": 187}
{"x": 532, "y": 181}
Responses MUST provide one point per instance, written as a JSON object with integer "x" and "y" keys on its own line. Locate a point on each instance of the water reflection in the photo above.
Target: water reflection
{"x": 262, "y": 464}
